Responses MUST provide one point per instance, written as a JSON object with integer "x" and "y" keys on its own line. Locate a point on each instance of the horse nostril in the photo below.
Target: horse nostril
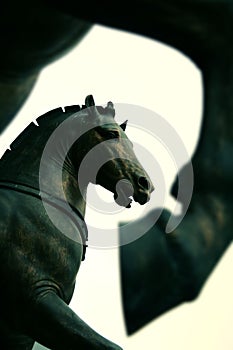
{"x": 143, "y": 182}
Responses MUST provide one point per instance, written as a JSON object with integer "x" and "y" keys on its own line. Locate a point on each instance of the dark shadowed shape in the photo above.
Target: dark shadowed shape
{"x": 32, "y": 34}
{"x": 41, "y": 250}
{"x": 177, "y": 265}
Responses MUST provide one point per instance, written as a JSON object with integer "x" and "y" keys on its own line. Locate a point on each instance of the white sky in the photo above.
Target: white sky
{"x": 126, "y": 68}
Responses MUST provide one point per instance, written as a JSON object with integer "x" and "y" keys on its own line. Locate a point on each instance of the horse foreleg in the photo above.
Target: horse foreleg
{"x": 53, "y": 324}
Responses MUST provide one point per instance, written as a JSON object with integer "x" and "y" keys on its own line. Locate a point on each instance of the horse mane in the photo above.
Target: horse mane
{"x": 41, "y": 121}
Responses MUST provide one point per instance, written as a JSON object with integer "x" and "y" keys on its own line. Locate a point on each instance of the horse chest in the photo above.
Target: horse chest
{"x": 34, "y": 252}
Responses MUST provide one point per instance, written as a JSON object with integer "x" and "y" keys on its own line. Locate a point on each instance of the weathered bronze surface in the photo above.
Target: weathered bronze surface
{"x": 33, "y": 34}
{"x": 38, "y": 260}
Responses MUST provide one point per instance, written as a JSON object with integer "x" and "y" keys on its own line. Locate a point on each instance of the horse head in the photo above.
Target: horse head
{"x": 112, "y": 162}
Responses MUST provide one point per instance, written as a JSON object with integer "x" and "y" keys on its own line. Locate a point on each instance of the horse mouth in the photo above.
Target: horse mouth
{"x": 126, "y": 201}
{"x": 123, "y": 200}
{"x": 125, "y": 194}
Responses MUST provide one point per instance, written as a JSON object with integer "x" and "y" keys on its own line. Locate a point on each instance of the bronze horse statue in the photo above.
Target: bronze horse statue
{"x": 34, "y": 34}
{"x": 40, "y": 257}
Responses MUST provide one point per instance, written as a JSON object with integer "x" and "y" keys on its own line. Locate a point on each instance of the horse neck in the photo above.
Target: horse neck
{"x": 59, "y": 166}
{"x": 61, "y": 181}
{"x": 36, "y": 162}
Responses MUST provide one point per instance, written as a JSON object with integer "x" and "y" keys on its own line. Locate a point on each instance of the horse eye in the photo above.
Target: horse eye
{"x": 108, "y": 134}
{"x": 113, "y": 135}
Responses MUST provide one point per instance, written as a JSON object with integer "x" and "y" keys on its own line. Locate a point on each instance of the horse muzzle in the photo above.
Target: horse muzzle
{"x": 140, "y": 192}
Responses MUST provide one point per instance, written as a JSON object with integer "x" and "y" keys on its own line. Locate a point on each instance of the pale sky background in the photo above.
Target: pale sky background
{"x": 127, "y": 68}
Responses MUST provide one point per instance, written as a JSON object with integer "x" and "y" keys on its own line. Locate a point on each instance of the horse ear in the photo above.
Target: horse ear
{"x": 89, "y": 101}
{"x": 123, "y": 125}
{"x": 110, "y": 108}
{"x": 96, "y": 111}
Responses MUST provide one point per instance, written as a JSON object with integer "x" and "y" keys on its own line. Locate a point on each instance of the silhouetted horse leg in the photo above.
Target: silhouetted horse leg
{"x": 31, "y": 37}
{"x": 180, "y": 263}
{"x": 160, "y": 271}
{"x": 189, "y": 26}
{"x": 13, "y": 94}
{"x": 174, "y": 267}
